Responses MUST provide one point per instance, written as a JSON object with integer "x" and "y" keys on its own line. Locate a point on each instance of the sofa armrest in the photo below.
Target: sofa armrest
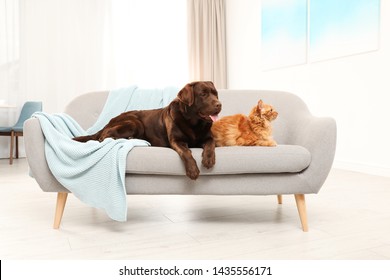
{"x": 34, "y": 142}
{"x": 318, "y": 135}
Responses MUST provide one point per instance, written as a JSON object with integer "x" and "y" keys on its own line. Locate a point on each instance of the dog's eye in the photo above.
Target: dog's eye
{"x": 203, "y": 94}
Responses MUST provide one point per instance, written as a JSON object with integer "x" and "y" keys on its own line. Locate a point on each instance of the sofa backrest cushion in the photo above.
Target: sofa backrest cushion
{"x": 289, "y": 106}
{"x": 86, "y": 108}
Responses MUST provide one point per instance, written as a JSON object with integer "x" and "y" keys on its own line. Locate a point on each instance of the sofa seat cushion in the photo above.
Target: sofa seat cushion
{"x": 229, "y": 160}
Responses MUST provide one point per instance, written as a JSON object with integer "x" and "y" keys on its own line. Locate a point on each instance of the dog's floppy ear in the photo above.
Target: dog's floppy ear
{"x": 186, "y": 95}
{"x": 210, "y": 83}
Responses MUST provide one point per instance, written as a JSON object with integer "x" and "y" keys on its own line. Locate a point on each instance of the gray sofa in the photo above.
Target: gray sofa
{"x": 299, "y": 164}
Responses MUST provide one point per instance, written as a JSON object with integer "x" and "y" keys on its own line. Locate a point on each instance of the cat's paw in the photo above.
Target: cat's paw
{"x": 272, "y": 144}
{"x": 266, "y": 143}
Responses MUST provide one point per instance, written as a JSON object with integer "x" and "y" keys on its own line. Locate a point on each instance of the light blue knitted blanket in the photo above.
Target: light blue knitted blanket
{"x": 95, "y": 171}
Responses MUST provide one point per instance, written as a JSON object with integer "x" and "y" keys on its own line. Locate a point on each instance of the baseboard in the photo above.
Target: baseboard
{"x": 363, "y": 168}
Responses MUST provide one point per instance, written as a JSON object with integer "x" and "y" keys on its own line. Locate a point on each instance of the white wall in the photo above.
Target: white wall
{"x": 354, "y": 90}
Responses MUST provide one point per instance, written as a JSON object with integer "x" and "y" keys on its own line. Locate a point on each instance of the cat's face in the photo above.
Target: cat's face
{"x": 266, "y": 111}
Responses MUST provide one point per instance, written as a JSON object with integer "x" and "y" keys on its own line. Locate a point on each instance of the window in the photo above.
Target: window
{"x": 299, "y": 31}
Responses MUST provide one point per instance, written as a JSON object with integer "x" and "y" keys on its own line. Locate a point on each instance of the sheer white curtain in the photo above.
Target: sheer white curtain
{"x": 207, "y": 41}
{"x": 9, "y": 65}
{"x": 54, "y": 50}
{"x": 75, "y": 46}
{"x": 62, "y": 46}
{"x": 9, "y": 50}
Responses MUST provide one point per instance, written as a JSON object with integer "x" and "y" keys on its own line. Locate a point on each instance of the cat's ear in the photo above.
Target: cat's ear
{"x": 260, "y": 106}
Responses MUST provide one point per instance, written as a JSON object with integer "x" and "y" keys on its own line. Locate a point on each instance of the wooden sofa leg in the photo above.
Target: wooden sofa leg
{"x": 61, "y": 201}
{"x": 301, "y": 205}
{"x": 280, "y": 199}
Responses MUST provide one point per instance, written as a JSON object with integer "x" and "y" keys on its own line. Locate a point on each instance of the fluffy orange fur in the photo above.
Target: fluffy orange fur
{"x": 241, "y": 130}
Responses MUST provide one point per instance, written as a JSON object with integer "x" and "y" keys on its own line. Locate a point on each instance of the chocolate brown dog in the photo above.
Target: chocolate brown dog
{"x": 185, "y": 123}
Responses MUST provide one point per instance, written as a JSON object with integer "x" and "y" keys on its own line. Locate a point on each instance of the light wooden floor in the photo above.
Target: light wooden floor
{"x": 348, "y": 219}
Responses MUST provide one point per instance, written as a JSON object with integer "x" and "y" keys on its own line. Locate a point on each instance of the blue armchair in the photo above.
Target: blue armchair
{"x": 16, "y": 130}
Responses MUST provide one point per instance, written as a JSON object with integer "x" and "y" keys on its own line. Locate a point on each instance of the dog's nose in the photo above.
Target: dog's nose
{"x": 218, "y": 105}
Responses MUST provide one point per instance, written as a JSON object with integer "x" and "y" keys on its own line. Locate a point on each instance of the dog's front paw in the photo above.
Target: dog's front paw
{"x": 192, "y": 172}
{"x": 208, "y": 161}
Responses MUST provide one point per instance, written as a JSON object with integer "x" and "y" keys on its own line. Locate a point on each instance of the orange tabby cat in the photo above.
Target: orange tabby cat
{"x": 241, "y": 130}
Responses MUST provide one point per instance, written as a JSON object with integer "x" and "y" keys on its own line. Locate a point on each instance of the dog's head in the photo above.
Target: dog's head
{"x": 202, "y": 99}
